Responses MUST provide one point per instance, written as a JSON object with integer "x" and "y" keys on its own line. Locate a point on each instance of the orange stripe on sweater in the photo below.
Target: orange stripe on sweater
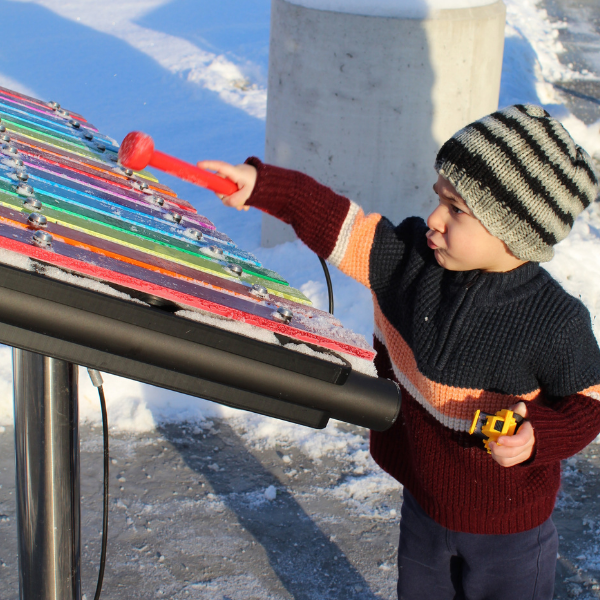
{"x": 454, "y": 402}
{"x": 592, "y": 392}
{"x": 355, "y": 262}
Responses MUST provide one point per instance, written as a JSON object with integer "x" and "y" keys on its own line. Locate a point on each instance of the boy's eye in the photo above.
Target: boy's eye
{"x": 456, "y": 210}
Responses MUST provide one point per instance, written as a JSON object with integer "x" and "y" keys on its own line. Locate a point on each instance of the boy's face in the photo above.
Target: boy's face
{"x": 460, "y": 241}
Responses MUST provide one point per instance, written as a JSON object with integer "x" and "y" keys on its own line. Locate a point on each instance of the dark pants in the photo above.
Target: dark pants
{"x": 439, "y": 564}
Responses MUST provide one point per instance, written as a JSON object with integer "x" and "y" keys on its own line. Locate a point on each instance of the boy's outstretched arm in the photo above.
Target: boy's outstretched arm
{"x": 335, "y": 228}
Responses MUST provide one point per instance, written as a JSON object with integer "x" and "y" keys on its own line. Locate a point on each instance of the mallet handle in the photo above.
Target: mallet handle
{"x": 189, "y": 172}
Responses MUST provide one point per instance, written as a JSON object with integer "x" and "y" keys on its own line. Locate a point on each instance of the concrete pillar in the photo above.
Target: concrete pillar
{"x": 363, "y": 103}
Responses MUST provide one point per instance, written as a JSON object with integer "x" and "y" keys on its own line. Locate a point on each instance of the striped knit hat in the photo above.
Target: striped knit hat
{"x": 522, "y": 176}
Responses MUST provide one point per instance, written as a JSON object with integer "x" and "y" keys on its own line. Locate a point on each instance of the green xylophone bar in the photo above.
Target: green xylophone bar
{"x": 138, "y": 211}
{"x": 102, "y": 160}
{"x": 166, "y": 230}
{"x": 59, "y": 174}
{"x": 118, "y": 215}
{"x": 129, "y": 254}
{"x": 67, "y": 130}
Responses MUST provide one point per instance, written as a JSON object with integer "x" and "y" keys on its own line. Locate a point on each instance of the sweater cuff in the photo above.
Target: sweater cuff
{"x": 268, "y": 193}
{"x": 563, "y": 430}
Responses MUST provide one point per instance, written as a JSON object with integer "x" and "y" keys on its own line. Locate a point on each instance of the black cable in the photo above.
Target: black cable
{"x": 329, "y": 285}
{"x": 105, "y": 509}
{"x": 97, "y": 381}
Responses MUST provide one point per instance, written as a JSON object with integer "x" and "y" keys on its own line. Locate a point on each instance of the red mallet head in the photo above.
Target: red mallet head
{"x": 136, "y": 151}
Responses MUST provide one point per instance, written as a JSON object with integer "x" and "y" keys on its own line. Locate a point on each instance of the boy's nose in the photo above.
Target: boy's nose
{"x": 435, "y": 220}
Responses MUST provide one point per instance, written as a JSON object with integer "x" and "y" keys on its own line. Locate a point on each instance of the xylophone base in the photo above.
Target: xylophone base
{"x": 47, "y": 473}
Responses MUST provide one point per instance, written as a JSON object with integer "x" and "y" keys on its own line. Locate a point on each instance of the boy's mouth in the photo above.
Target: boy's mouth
{"x": 431, "y": 244}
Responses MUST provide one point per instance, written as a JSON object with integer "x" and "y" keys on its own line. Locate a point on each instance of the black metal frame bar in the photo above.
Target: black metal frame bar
{"x": 147, "y": 344}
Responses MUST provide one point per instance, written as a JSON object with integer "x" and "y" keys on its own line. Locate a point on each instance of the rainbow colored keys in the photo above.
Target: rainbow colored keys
{"x": 65, "y": 202}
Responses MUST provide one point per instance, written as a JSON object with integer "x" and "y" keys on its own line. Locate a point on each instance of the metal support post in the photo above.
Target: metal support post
{"x": 47, "y": 467}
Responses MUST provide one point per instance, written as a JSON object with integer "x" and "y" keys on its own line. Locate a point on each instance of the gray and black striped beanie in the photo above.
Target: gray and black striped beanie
{"x": 522, "y": 176}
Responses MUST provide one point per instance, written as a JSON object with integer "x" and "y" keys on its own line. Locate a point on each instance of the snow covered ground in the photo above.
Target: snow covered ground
{"x": 192, "y": 73}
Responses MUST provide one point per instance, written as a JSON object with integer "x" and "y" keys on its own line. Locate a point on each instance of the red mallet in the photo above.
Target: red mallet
{"x": 137, "y": 152}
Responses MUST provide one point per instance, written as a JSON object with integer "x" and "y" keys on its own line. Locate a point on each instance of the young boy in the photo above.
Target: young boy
{"x": 465, "y": 318}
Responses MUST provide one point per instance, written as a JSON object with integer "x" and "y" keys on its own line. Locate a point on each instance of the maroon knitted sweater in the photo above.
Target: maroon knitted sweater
{"x": 454, "y": 342}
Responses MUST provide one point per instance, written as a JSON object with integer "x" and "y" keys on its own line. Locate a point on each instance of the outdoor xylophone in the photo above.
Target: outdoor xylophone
{"x": 105, "y": 267}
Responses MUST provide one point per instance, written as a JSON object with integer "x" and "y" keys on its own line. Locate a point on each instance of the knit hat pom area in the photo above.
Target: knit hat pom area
{"x": 523, "y": 177}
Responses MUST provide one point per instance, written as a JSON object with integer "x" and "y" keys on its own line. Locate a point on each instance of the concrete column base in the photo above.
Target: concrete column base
{"x": 364, "y": 103}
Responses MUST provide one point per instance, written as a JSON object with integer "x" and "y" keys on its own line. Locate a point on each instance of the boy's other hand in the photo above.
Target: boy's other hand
{"x": 244, "y": 176}
{"x": 512, "y": 450}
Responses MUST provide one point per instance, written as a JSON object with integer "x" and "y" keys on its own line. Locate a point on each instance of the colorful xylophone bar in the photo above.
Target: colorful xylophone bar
{"x": 66, "y": 202}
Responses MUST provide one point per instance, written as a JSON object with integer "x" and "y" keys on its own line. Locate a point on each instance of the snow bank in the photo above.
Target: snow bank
{"x": 531, "y": 62}
{"x": 526, "y": 19}
{"x": 262, "y": 433}
{"x": 137, "y": 407}
{"x": 587, "y": 136}
{"x": 576, "y": 263}
{"x": 402, "y": 9}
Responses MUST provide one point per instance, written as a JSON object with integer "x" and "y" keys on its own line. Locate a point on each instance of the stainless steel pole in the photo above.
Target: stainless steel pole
{"x": 47, "y": 467}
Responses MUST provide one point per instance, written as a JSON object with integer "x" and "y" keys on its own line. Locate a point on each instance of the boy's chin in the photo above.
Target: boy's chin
{"x": 449, "y": 263}
{"x": 443, "y": 260}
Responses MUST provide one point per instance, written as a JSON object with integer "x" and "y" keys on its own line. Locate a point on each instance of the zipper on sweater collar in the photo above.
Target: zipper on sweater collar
{"x": 463, "y": 304}
{"x": 473, "y": 280}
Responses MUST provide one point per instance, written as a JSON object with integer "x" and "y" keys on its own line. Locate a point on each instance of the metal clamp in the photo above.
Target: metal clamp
{"x": 9, "y": 150}
{"x": 24, "y": 189}
{"x": 141, "y": 186}
{"x": 42, "y": 239}
{"x": 284, "y": 314}
{"x": 19, "y": 175}
{"x": 193, "y": 234}
{"x": 173, "y": 216}
{"x": 259, "y": 291}
{"x": 155, "y": 199}
{"x": 214, "y": 250}
{"x": 37, "y": 221}
{"x": 235, "y": 269}
{"x": 32, "y": 203}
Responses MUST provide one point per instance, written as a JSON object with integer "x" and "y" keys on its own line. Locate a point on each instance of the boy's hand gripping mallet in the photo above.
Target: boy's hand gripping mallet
{"x": 137, "y": 152}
